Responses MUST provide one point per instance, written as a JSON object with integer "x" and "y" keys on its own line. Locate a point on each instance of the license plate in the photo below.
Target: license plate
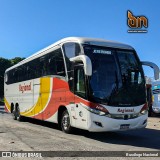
{"x": 124, "y": 126}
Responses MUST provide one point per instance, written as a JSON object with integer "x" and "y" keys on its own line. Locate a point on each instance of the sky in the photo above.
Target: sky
{"x": 26, "y": 26}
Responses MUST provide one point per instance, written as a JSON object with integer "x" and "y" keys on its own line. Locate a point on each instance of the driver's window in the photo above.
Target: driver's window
{"x": 80, "y": 83}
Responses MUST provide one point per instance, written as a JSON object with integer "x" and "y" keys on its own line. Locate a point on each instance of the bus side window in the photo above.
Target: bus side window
{"x": 33, "y": 67}
{"x": 9, "y": 77}
{"x": 15, "y": 75}
{"x": 28, "y": 72}
{"x": 42, "y": 66}
{"x": 59, "y": 62}
{"x": 20, "y": 73}
{"x": 25, "y": 72}
{"x": 52, "y": 64}
{"x": 56, "y": 63}
{"x": 36, "y": 68}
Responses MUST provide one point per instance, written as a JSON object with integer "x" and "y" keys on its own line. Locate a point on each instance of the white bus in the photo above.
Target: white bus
{"x": 86, "y": 83}
{"x": 156, "y": 96}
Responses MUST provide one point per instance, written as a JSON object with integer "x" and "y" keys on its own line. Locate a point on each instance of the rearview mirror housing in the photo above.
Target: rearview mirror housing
{"x": 86, "y": 62}
{"x": 154, "y": 67}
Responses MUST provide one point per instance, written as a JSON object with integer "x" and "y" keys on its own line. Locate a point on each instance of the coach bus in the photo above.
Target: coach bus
{"x": 91, "y": 84}
{"x": 156, "y": 96}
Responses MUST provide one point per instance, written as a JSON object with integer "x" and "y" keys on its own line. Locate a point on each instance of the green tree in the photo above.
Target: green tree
{"x": 4, "y": 64}
{"x": 16, "y": 60}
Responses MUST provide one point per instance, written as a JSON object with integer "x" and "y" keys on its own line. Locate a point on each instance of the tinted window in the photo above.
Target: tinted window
{"x": 70, "y": 50}
{"x": 20, "y": 73}
{"x": 56, "y": 63}
{"x": 80, "y": 82}
{"x": 117, "y": 77}
{"x": 130, "y": 69}
{"x": 49, "y": 64}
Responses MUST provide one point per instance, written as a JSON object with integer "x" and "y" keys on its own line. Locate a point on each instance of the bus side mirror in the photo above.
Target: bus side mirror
{"x": 154, "y": 67}
{"x": 86, "y": 62}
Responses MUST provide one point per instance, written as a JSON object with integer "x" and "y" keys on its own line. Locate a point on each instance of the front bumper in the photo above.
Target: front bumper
{"x": 102, "y": 123}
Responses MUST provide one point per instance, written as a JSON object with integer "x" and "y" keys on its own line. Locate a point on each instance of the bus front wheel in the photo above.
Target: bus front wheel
{"x": 65, "y": 122}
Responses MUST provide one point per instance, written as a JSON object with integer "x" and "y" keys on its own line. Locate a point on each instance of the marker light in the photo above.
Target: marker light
{"x": 144, "y": 109}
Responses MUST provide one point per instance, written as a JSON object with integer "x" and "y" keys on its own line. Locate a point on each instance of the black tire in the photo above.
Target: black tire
{"x": 65, "y": 122}
{"x": 16, "y": 114}
{"x": 150, "y": 110}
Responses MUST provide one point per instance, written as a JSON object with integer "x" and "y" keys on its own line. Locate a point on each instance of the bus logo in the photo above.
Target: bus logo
{"x": 125, "y": 110}
{"x": 136, "y": 23}
{"x": 25, "y": 87}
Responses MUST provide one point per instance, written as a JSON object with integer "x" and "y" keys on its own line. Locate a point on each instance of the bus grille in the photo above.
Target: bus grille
{"x": 122, "y": 116}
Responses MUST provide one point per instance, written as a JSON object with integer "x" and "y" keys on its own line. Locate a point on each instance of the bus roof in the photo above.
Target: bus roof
{"x": 82, "y": 40}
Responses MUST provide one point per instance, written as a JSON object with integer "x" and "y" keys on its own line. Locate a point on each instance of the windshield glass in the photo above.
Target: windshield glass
{"x": 117, "y": 77}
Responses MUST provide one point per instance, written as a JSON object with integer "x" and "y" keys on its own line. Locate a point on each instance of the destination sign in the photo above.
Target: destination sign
{"x": 101, "y": 51}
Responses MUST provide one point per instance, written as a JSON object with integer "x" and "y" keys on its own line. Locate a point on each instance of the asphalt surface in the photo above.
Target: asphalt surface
{"x": 34, "y": 135}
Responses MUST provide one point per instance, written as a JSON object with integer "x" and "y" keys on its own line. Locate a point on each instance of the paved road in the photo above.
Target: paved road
{"x": 42, "y": 136}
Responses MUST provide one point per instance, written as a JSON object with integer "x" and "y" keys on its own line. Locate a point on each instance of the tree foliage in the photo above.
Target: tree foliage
{"x": 16, "y": 60}
{"x": 4, "y": 64}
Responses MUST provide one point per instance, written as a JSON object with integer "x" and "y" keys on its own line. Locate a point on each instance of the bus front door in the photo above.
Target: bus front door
{"x": 80, "y": 96}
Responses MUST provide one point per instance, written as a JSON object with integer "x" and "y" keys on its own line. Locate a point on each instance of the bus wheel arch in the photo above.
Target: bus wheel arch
{"x": 64, "y": 120}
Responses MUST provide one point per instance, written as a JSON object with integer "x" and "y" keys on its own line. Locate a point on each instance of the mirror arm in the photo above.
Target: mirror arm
{"x": 154, "y": 67}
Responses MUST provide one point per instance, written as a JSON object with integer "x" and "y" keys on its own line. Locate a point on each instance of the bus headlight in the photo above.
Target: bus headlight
{"x": 144, "y": 109}
{"x": 95, "y": 111}
{"x": 100, "y": 110}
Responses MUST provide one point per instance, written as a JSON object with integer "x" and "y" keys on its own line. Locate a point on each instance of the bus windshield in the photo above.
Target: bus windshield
{"x": 117, "y": 77}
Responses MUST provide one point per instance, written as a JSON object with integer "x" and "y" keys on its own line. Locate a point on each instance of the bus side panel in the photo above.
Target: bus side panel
{"x": 46, "y": 92}
{"x": 25, "y": 96}
{"x": 81, "y": 114}
{"x": 20, "y": 94}
{"x": 57, "y": 99}
{"x": 42, "y": 93}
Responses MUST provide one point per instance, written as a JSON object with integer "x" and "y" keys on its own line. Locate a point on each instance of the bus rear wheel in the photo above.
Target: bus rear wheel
{"x": 65, "y": 122}
{"x": 16, "y": 114}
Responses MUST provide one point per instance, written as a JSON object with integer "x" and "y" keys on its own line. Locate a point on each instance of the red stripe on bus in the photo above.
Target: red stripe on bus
{"x": 61, "y": 96}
